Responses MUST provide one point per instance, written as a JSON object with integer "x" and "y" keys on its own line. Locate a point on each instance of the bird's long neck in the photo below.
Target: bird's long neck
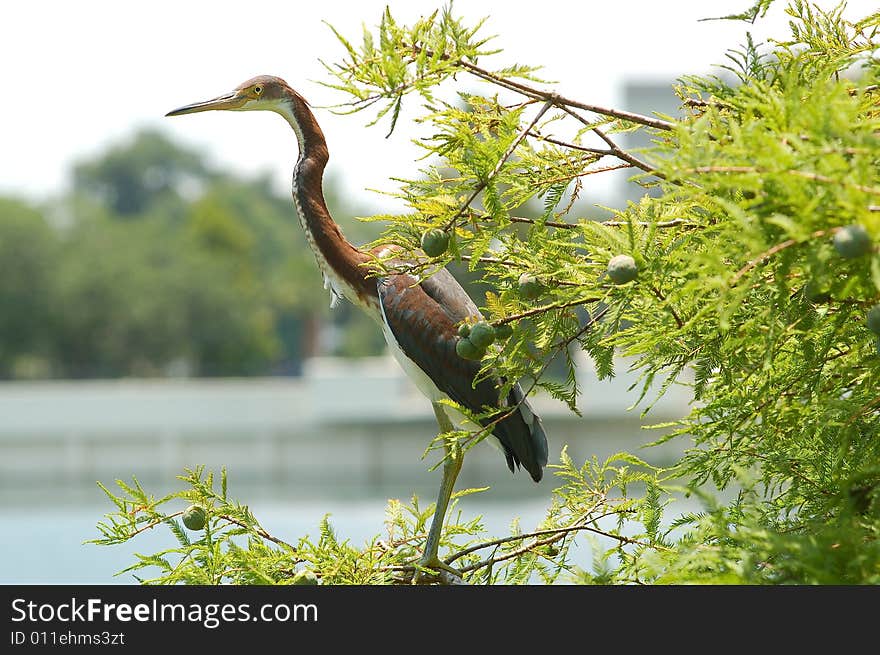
{"x": 342, "y": 265}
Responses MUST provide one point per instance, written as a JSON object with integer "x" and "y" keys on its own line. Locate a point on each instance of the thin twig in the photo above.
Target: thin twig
{"x": 520, "y": 265}
{"x": 543, "y": 542}
{"x": 562, "y": 226}
{"x": 723, "y": 169}
{"x": 585, "y": 516}
{"x": 675, "y": 222}
{"x": 595, "y": 318}
{"x": 573, "y": 146}
{"x": 767, "y": 254}
{"x": 584, "y": 173}
{"x": 556, "y": 534}
{"x": 625, "y": 156}
{"x": 153, "y": 524}
{"x": 862, "y": 411}
{"x": 501, "y": 161}
{"x": 543, "y": 309}
{"x": 562, "y": 101}
{"x": 550, "y": 96}
{"x": 615, "y": 150}
{"x": 521, "y": 219}
{"x": 662, "y": 298}
{"x": 258, "y": 530}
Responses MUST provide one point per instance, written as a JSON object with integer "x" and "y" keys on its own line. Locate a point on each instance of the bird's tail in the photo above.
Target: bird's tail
{"x": 522, "y": 436}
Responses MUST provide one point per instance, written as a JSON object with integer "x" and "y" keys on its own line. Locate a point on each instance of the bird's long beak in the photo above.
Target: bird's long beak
{"x": 228, "y": 101}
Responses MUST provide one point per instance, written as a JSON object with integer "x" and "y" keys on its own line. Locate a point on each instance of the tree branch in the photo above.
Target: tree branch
{"x": 555, "y": 535}
{"x": 259, "y": 531}
{"x": 625, "y": 156}
{"x": 562, "y": 101}
{"x": 543, "y": 309}
{"x": 589, "y": 171}
{"x": 532, "y": 221}
{"x": 573, "y": 146}
{"x": 675, "y": 222}
{"x": 614, "y": 149}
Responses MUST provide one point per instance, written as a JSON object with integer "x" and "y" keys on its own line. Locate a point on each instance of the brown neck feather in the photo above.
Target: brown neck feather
{"x": 324, "y": 236}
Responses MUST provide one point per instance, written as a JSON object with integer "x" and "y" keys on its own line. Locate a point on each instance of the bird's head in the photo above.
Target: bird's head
{"x": 263, "y": 92}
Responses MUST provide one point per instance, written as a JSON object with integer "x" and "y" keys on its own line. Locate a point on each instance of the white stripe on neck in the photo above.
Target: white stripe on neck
{"x": 337, "y": 287}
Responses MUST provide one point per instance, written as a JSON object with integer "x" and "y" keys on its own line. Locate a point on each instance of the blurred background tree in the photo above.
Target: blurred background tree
{"x": 28, "y": 246}
{"x": 157, "y": 264}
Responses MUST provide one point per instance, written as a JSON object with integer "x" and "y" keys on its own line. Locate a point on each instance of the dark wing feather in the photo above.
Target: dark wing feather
{"x": 424, "y": 319}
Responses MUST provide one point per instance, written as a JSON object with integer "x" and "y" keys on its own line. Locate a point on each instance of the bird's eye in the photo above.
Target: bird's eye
{"x": 258, "y": 89}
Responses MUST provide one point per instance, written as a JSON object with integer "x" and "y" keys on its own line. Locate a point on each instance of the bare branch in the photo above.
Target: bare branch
{"x": 562, "y": 101}
{"x": 625, "y": 156}
{"x": 573, "y": 146}
{"x": 614, "y": 149}
{"x": 675, "y": 222}
{"x": 555, "y": 535}
{"x": 562, "y": 226}
{"x": 584, "y": 173}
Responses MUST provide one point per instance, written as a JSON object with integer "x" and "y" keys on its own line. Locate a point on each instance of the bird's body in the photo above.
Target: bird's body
{"x": 419, "y": 319}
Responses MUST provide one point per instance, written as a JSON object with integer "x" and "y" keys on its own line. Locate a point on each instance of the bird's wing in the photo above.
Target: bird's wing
{"x": 423, "y": 318}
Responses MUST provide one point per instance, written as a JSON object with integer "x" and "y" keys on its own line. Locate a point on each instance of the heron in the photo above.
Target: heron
{"x": 418, "y": 317}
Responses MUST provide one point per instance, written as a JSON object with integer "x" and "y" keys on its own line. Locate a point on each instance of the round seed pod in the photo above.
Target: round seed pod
{"x": 194, "y": 517}
{"x": 622, "y": 269}
{"x": 435, "y": 242}
{"x": 466, "y": 349}
{"x": 482, "y": 334}
{"x": 852, "y": 241}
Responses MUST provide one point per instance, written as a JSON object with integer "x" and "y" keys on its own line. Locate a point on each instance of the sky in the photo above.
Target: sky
{"x": 80, "y": 76}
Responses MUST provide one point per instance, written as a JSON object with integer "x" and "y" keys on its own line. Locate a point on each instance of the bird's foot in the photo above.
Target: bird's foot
{"x": 431, "y": 570}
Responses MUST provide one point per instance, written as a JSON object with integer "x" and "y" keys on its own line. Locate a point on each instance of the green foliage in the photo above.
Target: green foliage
{"x": 232, "y": 548}
{"x": 740, "y": 296}
{"x": 589, "y": 507}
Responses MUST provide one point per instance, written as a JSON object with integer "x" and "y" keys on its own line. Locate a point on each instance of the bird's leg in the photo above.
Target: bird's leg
{"x": 451, "y": 466}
